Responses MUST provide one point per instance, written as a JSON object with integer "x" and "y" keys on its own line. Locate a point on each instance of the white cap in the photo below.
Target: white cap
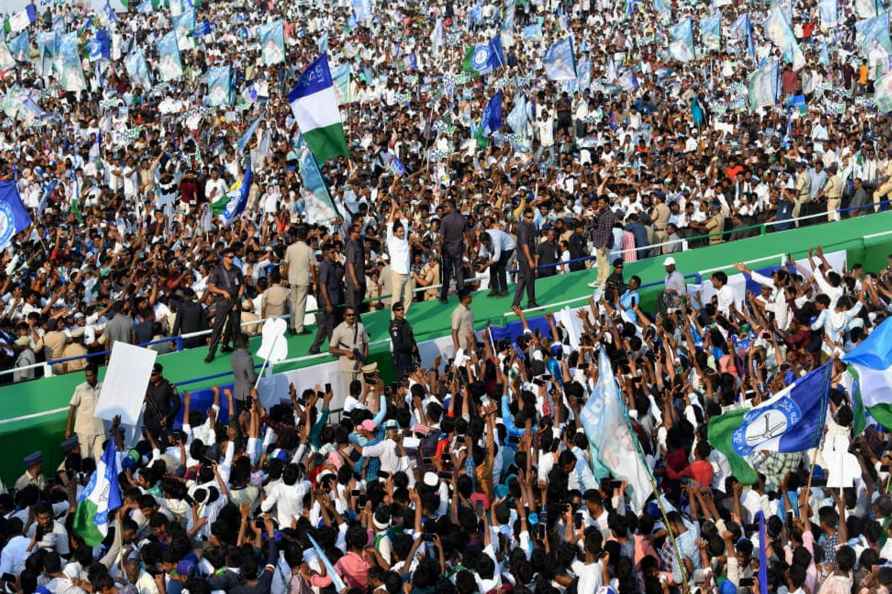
{"x": 431, "y": 479}
{"x": 670, "y": 261}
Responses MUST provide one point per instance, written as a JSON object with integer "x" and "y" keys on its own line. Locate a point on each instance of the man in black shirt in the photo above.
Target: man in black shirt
{"x": 526, "y": 259}
{"x": 191, "y": 317}
{"x": 547, "y": 255}
{"x": 354, "y": 271}
{"x": 405, "y": 349}
{"x": 578, "y": 247}
{"x": 452, "y": 249}
{"x": 162, "y": 402}
{"x": 227, "y": 284}
{"x": 329, "y": 296}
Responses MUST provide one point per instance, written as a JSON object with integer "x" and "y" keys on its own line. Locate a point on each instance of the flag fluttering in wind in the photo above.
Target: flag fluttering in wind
{"x": 99, "y": 499}
{"x": 790, "y": 421}
{"x": 870, "y": 365}
{"x": 560, "y": 63}
{"x": 314, "y": 103}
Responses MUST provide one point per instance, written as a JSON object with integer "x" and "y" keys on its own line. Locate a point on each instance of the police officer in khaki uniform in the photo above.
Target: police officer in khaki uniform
{"x": 300, "y": 264}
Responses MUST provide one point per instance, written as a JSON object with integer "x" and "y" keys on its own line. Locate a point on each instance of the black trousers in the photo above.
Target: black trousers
{"x": 450, "y": 268}
{"x": 498, "y": 274}
{"x": 526, "y": 280}
{"x": 325, "y": 324}
{"x": 227, "y": 324}
{"x": 404, "y": 364}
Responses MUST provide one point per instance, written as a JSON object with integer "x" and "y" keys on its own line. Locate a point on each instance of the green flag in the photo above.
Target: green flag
{"x": 719, "y": 434}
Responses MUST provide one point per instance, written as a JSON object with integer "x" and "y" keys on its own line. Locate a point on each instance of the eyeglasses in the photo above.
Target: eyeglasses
{"x": 350, "y": 315}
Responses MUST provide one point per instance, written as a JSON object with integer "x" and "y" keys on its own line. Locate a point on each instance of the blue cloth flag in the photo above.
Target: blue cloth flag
{"x": 72, "y": 75}
{"x": 272, "y": 43}
{"x": 662, "y": 8}
{"x": 870, "y": 33}
{"x": 763, "y": 86}
{"x": 829, "y": 13}
{"x": 531, "y": 32}
{"x": 517, "y": 118}
{"x": 362, "y": 10}
{"x": 681, "y": 41}
{"x": 711, "y": 32}
{"x": 248, "y": 135}
{"x": 219, "y": 81}
{"x": 236, "y": 205}
{"x": 14, "y": 217}
{"x": 492, "y": 115}
{"x": 99, "y": 46}
{"x": 508, "y": 16}
{"x": 19, "y": 46}
{"x": 169, "y": 65}
{"x": 138, "y": 69}
{"x": 777, "y": 29}
{"x": 560, "y": 64}
{"x": 790, "y": 421}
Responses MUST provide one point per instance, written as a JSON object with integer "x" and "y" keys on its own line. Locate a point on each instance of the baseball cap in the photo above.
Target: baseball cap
{"x": 670, "y": 261}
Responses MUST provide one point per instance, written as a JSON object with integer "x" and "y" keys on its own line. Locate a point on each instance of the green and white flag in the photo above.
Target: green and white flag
{"x": 99, "y": 499}
{"x": 870, "y": 371}
{"x": 314, "y": 103}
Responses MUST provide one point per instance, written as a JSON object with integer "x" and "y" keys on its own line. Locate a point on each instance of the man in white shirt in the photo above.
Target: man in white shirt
{"x": 15, "y": 553}
{"x": 724, "y": 294}
{"x": 287, "y": 497}
{"x": 503, "y": 246}
{"x": 401, "y": 281}
{"x": 386, "y": 450}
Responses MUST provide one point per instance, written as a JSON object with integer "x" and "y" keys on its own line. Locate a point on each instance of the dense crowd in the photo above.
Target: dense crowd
{"x": 475, "y": 473}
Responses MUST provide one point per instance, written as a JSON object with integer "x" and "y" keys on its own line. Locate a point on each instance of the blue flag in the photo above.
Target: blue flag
{"x": 72, "y": 75}
{"x": 14, "y": 217}
{"x": 711, "y": 32}
{"x": 681, "y": 41}
{"x": 19, "y": 46}
{"x": 236, "y": 205}
{"x": 790, "y": 421}
{"x": 169, "y": 65}
{"x": 873, "y": 32}
{"x": 560, "y": 63}
{"x": 517, "y": 118}
{"x": 138, "y": 69}
{"x": 272, "y": 43}
{"x": 219, "y": 81}
{"x": 531, "y": 32}
{"x": 318, "y": 205}
{"x": 492, "y": 115}
{"x": 763, "y": 556}
{"x": 362, "y": 10}
{"x": 99, "y": 46}
{"x": 248, "y": 135}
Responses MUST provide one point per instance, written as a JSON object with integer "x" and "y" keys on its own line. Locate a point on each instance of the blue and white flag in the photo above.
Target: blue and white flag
{"x": 662, "y": 8}
{"x": 99, "y": 499}
{"x": 14, "y": 217}
{"x": 870, "y": 363}
{"x": 475, "y": 14}
{"x": 393, "y": 163}
{"x": 219, "y": 81}
{"x": 6, "y": 59}
{"x": 763, "y": 86}
{"x": 560, "y": 63}
{"x": 72, "y": 75}
{"x": 362, "y": 10}
{"x": 829, "y": 13}
{"x": 870, "y": 33}
{"x": 628, "y": 81}
{"x": 483, "y": 58}
{"x": 711, "y": 32}
{"x": 272, "y": 43}
{"x": 743, "y": 29}
{"x": 531, "y": 32}
{"x": 99, "y": 46}
{"x": 20, "y": 46}
{"x": 145, "y": 7}
{"x": 169, "y": 65}
{"x": 584, "y": 71}
{"x": 184, "y": 25}
{"x": 681, "y": 41}
{"x": 492, "y": 115}
{"x": 249, "y": 133}
{"x": 790, "y": 421}
{"x": 508, "y": 17}
{"x": 238, "y": 201}
{"x": 612, "y": 443}
{"x": 778, "y": 30}
{"x": 517, "y": 117}
{"x": 138, "y": 68}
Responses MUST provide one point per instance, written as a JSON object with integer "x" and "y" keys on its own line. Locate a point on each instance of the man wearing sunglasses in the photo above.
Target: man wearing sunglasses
{"x": 226, "y": 284}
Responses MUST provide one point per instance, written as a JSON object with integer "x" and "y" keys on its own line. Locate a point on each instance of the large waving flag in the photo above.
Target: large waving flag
{"x": 560, "y": 63}
{"x": 314, "y": 103}
{"x": 272, "y": 42}
{"x": 743, "y": 29}
{"x": 20, "y": 46}
{"x": 866, "y": 9}
{"x": 872, "y": 32}
{"x": 219, "y": 81}
{"x": 778, "y": 30}
{"x": 882, "y": 93}
{"x": 342, "y": 77}
{"x": 6, "y": 59}
{"x": 790, "y": 421}
{"x": 99, "y": 499}
{"x": 763, "y": 86}
{"x": 681, "y": 41}
{"x": 137, "y": 68}
{"x": 14, "y": 217}
{"x": 169, "y": 65}
{"x": 606, "y": 425}
{"x": 870, "y": 365}
{"x": 662, "y": 8}
{"x": 711, "y": 32}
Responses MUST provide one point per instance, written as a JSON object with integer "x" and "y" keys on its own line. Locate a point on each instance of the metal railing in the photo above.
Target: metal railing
{"x": 763, "y": 228}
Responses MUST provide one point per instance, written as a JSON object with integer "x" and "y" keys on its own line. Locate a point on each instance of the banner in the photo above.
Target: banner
{"x": 169, "y": 66}
{"x": 681, "y": 41}
{"x": 711, "y": 32}
{"x": 778, "y": 30}
{"x": 763, "y": 86}
{"x": 272, "y": 43}
{"x": 870, "y": 33}
{"x": 219, "y": 81}
{"x": 72, "y": 76}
